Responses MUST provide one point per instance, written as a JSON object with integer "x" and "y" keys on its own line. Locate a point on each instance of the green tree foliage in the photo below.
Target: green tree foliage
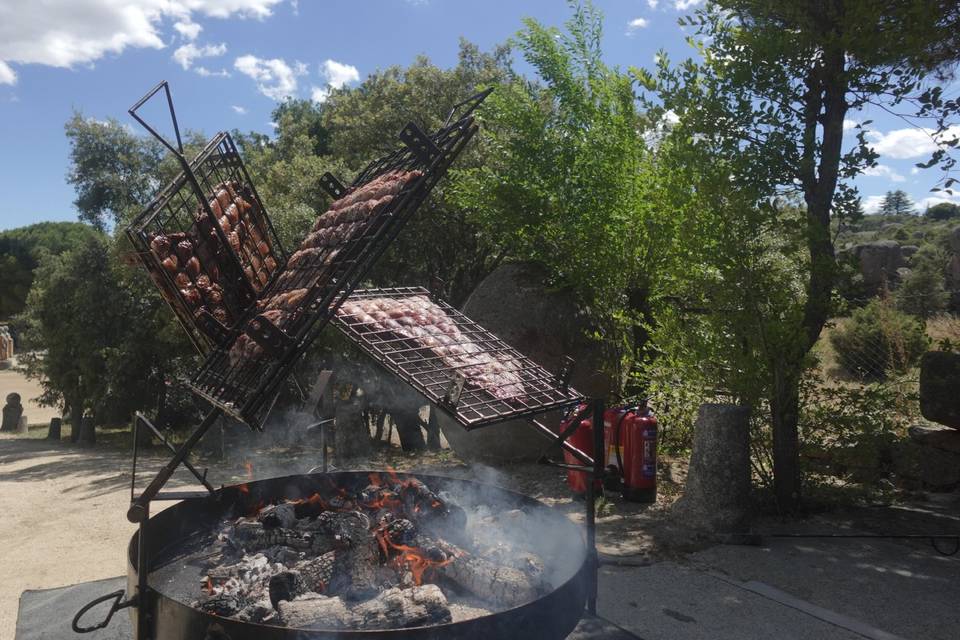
{"x": 878, "y": 340}
{"x": 769, "y": 100}
{"x": 897, "y": 203}
{"x": 565, "y": 178}
{"x": 20, "y": 252}
{"x": 106, "y": 350}
{"x": 923, "y": 292}
{"x": 443, "y": 240}
{"x": 943, "y": 211}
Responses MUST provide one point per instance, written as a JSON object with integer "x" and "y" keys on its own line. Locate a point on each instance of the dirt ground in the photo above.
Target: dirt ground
{"x": 13, "y": 382}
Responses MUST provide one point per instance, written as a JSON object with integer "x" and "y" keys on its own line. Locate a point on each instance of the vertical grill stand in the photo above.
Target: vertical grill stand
{"x": 593, "y": 466}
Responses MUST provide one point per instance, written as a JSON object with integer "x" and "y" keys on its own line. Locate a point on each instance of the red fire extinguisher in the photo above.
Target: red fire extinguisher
{"x": 630, "y": 435}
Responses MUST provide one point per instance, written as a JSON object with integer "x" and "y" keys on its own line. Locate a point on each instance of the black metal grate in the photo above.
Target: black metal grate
{"x": 242, "y": 376}
{"x": 496, "y": 381}
{"x": 214, "y": 209}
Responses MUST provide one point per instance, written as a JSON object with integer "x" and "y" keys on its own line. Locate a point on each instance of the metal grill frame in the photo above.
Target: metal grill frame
{"x": 174, "y": 210}
{"x": 246, "y": 390}
{"x": 425, "y": 371}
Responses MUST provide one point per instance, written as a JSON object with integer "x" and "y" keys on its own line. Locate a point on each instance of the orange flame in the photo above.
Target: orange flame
{"x": 411, "y": 558}
{"x": 249, "y": 467}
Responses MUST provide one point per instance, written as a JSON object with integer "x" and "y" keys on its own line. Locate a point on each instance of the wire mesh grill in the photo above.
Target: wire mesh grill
{"x": 208, "y": 244}
{"x": 243, "y": 375}
{"x": 429, "y": 344}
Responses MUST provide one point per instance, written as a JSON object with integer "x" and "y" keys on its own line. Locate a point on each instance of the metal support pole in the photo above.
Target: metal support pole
{"x": 598, "y": 461}
{"x": 143, "y": 572}
{"x": 139, "y": 509}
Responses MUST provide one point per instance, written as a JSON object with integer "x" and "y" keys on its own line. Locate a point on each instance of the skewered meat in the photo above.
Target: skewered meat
{"x": 430, "y": 328}
{"x": 182, "y": 280}
{"x": 193, "y": 267}
{"x": 170, "y": 263}
{"x": 160, "y": 245}
{"x": 184, "y": 250}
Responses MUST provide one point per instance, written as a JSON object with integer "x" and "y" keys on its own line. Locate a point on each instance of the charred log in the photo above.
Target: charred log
{"x": 505, "y": 586}
{"x": 392, "y": 609}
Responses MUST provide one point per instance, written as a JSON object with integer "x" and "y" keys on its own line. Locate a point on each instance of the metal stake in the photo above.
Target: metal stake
{"x": 598, "y": 460}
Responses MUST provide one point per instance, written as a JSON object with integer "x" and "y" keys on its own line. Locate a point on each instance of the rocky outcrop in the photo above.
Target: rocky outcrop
{"x": 954, "y": 240}
{"x": 940, "y": 388}
{"x": 879, "y": 261}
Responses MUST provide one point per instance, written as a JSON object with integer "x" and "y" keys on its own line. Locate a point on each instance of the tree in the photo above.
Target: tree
{"x": 460, "y": 252}
{"x": 115, "y": 172}
{"x": 769, "y": 99}
{"x": 106, "y": 350}
{"x": 923, "y": 292}
{"x": 897, "y": 203}
{"x": 564, "y": 178}
{"x": 20, "y": 252}
{"x": 943, "y": 211}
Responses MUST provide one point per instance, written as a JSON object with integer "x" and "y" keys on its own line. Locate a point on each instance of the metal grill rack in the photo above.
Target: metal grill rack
{"x": 243, "y": 381}
{"x": 448, "y": 372}
{"x": 213, "y": 207}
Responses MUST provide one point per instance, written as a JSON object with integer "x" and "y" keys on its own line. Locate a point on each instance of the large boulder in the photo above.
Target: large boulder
{"x": 545, "y": 324}
{"x": 934, "y": 468}
{"x": 717, "y": 496}
{"x": 937, "y": 436}
{"x": 940, "y": 387}
{"x": 879, "y": 261}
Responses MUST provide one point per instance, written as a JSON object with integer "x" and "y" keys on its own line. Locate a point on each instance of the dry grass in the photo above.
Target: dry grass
{"x": 944, "y": 327}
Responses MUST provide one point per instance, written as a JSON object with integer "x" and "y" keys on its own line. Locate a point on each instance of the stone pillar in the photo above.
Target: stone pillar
{"x": 56, "y": 424}
{"x": 11, "y": 413}
{"x": 88, "y": 433}
{"x": 717, "y": 497}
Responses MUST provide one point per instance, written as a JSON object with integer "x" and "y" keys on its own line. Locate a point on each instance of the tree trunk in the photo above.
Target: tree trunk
{"x": 784, "y": 410}
{"x": 75, "y": 406}
{"x": 824, "y": 106}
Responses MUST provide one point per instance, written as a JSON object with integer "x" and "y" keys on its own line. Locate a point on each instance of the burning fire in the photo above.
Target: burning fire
{"x": 414, "y": 559}
{"x": 249, "y": 467}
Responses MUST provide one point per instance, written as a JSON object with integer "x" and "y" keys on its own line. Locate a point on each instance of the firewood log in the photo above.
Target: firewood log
{"x": 504, "y": 586}
{"x": 392, "y": 609}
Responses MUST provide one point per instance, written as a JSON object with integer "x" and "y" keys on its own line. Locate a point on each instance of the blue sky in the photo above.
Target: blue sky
{"x": 229, "y": 61}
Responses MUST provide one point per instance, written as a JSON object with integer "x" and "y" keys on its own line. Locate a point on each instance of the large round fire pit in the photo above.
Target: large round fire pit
{"x": 175, "y": 540}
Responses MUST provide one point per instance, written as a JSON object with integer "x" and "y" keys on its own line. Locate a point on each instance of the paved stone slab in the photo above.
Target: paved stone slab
{"x": 906, "y": 590}
{"x": 667, "y": 601}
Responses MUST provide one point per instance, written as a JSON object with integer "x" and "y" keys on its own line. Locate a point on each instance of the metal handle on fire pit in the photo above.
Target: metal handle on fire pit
{"x": 116, "y": 596}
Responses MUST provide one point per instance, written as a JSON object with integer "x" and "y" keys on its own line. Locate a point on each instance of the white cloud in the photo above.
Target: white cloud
{"x": 683, "y": 5}
{"x": 653, "y": 3}
{"x": 66, "y": 33}
{"x": 338, "y": 74}
{"x": 185, "y": 55}
{"x": 933, "y": 200}
{"x": 849, "y": 124}
{"x": 914, "y": 171}
{"x": 871, "y": 204}
{"x": 636, "y": 23}
{"x": 206, "y": 73}
{"x": 7, "y": 75}
{"x": 319, "y": 94}
{"x": 913, "y": 142}
{"x": 883, "y": 171}
{"x": 238, "y": 109}
{"x": 275, "y": 78}
{"x": 188, "y": 29}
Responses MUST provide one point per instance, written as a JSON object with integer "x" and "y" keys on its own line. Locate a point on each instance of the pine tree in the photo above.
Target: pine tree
{"x": 897, "y": 203}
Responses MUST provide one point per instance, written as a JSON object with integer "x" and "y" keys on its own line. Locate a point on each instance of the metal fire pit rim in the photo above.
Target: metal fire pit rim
{"x": 576, "y": 581}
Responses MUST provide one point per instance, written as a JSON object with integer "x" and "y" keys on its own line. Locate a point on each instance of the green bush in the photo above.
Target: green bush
{"x": 878, "y": 339}
{"x": 923, "y": 292}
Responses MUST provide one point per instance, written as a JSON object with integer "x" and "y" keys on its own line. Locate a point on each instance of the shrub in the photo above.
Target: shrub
{"x": 878, "y": 339}
{"x": 922, "y": 293}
